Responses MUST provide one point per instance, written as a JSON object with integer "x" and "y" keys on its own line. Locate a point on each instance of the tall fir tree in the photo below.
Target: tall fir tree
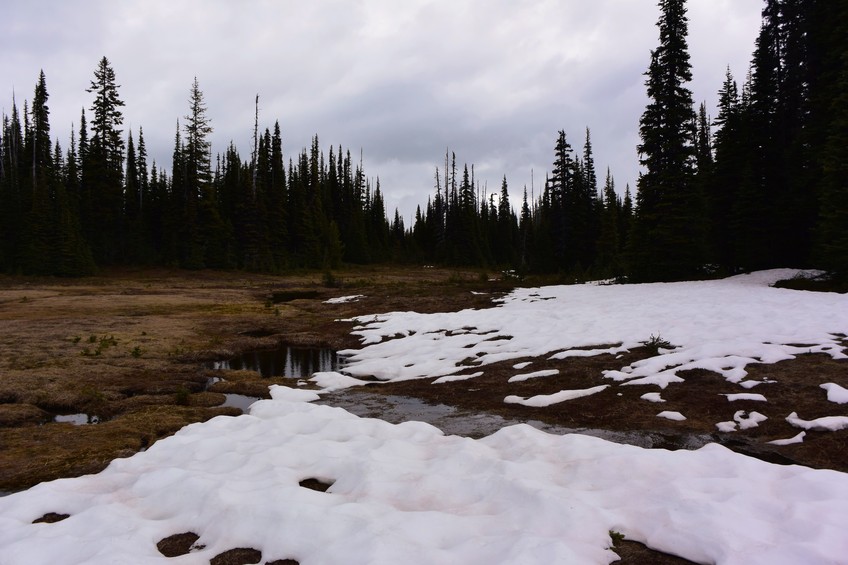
{"x": 666, "y": 241}
{"x": 104, "y": 168}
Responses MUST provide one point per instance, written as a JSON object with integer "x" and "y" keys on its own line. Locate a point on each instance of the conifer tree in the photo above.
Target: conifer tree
{"x": 666, "y": 242}
{"x": 104, "y": 168}
{"x": 11, "y": 192}
{"x": 829, "y": 123}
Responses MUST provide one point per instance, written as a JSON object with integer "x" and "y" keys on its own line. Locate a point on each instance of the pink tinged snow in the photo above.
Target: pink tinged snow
{"x": 409, "y": 494}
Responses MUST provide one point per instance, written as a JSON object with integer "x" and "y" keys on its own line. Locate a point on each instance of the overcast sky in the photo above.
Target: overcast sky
{"x": 493, "y": 80}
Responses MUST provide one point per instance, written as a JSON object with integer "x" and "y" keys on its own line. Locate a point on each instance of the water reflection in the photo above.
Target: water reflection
{"x": 294, "y": 362}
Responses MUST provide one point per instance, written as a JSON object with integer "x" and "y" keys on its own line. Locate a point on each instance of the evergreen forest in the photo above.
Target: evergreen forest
{"x": 762, "y": 184}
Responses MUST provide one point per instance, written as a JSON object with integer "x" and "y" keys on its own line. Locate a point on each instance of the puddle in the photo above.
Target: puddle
{"x": 454, "y": 421}
{"x": 294, "y": 362}
{"x": 240, "y": 401}
{"x": 77, "y": 419}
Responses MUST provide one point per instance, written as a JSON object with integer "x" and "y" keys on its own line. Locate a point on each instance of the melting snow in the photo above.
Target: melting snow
{"x": 825, "y": 423}
{"x": 836, "y": 393}
{"x": 533, "y": 375}
{"x": 344, "y": 299}
{"x": 745, "y": 396}
{"x": 548, "y": 399}
{"x": 408, "y": 493}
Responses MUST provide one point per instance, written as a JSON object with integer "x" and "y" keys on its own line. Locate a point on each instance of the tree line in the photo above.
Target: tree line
{"x": 761, "y": 185}
{"x": 101, "y": 203}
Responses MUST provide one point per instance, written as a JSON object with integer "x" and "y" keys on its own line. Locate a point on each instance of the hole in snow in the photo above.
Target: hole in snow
{"x": 315, "y": 484}
{"x": 51, "y": 518}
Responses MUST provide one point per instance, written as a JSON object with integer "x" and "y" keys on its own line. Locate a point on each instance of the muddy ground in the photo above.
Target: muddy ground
{"x": 130, "y": 349}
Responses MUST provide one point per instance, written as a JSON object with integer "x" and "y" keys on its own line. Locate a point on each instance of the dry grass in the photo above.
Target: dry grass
{"x": 129, "y": 347}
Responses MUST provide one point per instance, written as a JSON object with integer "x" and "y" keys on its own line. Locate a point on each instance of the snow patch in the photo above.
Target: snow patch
{"x": 836, "y": 393}
{"x": 542, "y": 400}
{"x": 344, "y": 299}
{"x": 453, "y": 378}
{"x": 825, "y": 423}
{"x": 331, "y": 381}
{"x": 745, "y": 396}
{"x": 799, "y": 438}
{"x": 671, "y": 415}
{"x": 652, "y": 397}
{"x": 533, "y": 375}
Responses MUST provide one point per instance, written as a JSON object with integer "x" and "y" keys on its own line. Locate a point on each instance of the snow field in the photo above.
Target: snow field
{"x": 408, "y": 493}
{"x": 720, "y": 326}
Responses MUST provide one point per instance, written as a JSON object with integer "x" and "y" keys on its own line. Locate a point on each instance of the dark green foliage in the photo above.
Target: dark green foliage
{"x": 763, "y": 185}
{"x": 829, "y": 120}
{"x": 103, "y": 169}
{"x": 667, "y": 234}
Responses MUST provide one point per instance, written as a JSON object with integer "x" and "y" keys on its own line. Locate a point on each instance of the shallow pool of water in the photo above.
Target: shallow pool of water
{"x": 455, "y": 421}
{"x": 286, "y": 361}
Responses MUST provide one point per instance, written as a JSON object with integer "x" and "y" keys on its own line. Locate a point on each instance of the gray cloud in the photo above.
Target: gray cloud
{"x": 494, "y": 80}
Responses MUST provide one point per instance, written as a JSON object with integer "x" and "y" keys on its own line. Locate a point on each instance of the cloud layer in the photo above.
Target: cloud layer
{"x": 494, "y": 80}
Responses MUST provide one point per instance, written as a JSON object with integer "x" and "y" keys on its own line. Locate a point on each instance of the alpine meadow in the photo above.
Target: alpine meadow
{"x": 248, "y": 354}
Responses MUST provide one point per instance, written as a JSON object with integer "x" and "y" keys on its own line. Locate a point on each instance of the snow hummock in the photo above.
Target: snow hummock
{"x": 836, "y": 393}
{"x": 671, "y": 415}
{"x": 407, "y": 493}
{"x": 652, "y": 397}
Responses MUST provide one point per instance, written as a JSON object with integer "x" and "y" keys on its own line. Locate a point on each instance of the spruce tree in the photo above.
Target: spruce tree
{"x": 666, "y": 242}
{"x": 104, "y": 168}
